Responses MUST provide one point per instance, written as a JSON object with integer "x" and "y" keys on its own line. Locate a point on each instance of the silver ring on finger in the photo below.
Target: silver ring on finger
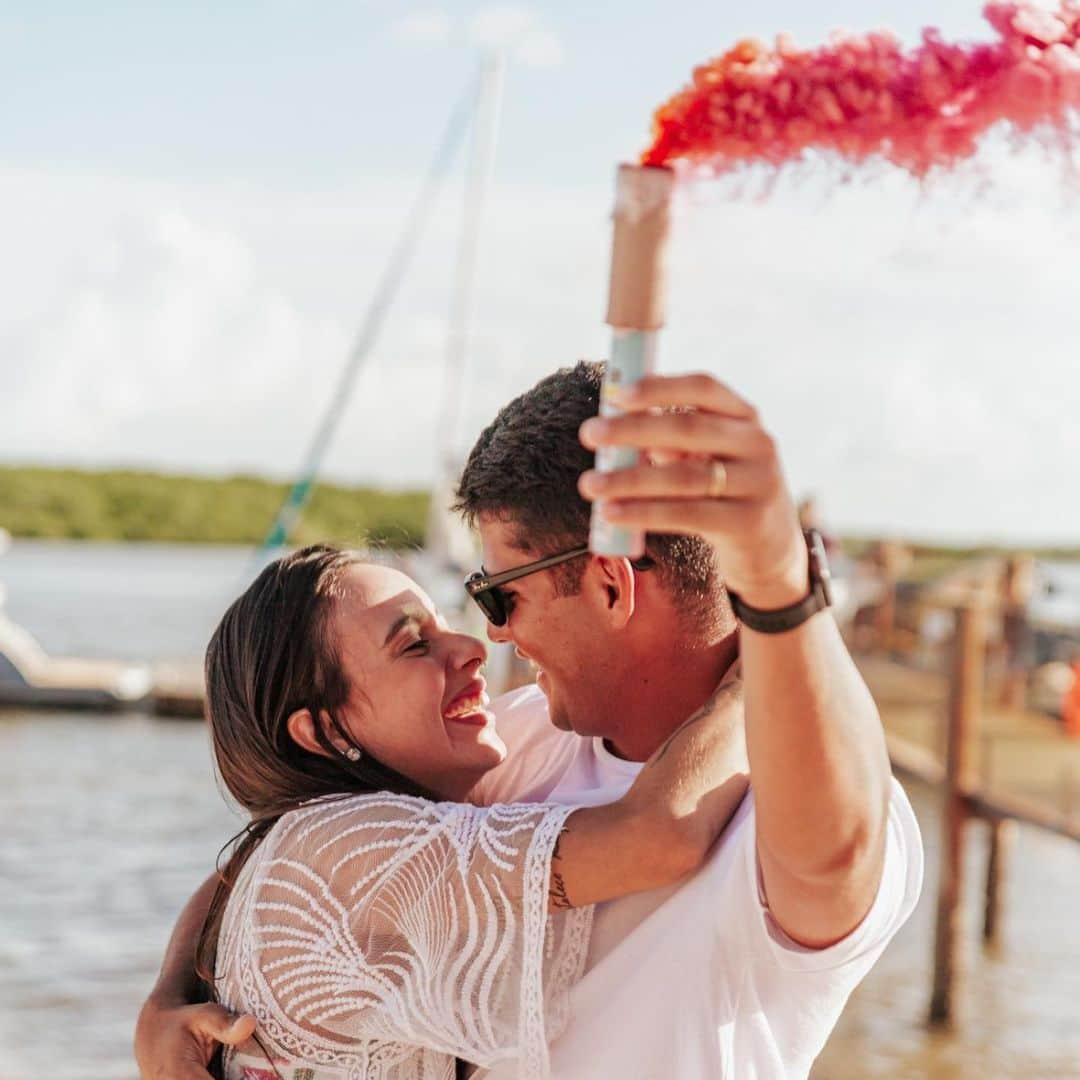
{"x": 717, "y": 479}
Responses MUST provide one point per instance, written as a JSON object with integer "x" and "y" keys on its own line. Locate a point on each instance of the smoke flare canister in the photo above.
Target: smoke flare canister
{"x": 635, "y": 313}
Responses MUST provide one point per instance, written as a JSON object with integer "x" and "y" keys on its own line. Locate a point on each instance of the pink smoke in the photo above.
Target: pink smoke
{"x": 863, "y": 96}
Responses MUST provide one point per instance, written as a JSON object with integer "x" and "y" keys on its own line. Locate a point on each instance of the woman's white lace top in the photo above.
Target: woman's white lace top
{"x": 381, "y": 936}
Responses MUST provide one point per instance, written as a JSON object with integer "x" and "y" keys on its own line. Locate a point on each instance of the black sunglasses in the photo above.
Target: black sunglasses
{"x": 497, "y": 604}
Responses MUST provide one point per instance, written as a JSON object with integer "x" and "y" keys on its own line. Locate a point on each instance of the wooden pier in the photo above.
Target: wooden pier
{"x": 942, "y": 731}
{"x": 30, "y": 678}
{"x": 178, "y": 690}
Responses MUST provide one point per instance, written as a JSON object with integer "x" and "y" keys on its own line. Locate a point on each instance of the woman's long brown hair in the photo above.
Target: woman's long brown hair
{"x": 274, "y": 652}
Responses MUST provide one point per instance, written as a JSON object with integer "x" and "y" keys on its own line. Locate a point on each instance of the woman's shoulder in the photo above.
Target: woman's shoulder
{"x": 364, "y": 825}
{"x": 348, "y": 815}
{"x": 363, "y": 833}
{"x": 335, "y": 844}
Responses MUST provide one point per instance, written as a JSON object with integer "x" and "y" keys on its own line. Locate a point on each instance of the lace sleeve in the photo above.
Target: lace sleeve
{"x": 391, "y": 919}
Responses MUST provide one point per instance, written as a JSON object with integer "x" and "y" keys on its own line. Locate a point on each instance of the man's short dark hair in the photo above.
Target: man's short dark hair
{"x": 524, "y": 470}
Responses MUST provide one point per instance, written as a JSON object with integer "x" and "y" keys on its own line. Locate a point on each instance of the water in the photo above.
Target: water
{"x": 1019, "y": 1007}
{"x": 111, "y": 821}
{"x": 122, "y": 601}
{"x": 108, "y": 825}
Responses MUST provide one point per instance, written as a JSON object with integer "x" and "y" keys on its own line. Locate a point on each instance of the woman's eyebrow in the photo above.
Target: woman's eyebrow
{"x": 400, "y": 623}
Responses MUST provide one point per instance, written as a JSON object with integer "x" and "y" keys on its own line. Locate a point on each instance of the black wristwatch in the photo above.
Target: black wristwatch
{"x": 818, "y": 598}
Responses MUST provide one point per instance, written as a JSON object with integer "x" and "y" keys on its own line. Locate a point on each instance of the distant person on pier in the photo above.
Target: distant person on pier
{"x": 1017, "y": 636}
{"x": 883, "y": 564}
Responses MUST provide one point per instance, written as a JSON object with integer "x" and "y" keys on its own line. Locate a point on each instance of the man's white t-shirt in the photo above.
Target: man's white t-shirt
{"x": 694, "y": 981}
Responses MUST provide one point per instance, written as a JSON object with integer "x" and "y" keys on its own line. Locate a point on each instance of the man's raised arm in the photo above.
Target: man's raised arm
{"x": 819, "y": 768}
{"x": 174, "y": 1039}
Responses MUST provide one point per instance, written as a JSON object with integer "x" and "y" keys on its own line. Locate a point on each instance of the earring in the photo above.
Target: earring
{"x": 353, "y": 754}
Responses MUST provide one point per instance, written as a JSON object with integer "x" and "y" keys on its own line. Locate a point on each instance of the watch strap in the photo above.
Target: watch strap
{"x": 819, "y": 596}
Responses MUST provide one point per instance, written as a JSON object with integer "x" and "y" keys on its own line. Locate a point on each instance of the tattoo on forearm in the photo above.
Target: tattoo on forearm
{"x": 557, "y": 888}
{"x": 557, "y": 892}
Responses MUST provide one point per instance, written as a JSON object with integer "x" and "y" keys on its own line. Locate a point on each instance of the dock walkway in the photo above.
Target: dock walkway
{"x": 1020, "y": 752}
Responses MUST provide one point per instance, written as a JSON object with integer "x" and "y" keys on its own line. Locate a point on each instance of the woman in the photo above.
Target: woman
{"x": 374, "y": 923}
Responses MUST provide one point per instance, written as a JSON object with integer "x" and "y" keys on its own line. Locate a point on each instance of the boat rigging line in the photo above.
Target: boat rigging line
{"x": 289, "y": 512}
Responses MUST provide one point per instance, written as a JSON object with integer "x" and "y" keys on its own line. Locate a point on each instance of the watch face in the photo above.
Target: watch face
{"x": 820, "y": 575}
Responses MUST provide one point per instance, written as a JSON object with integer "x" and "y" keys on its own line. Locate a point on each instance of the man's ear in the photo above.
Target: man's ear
{"x": 614, "y": 575}
{"x": 301, "y": 729}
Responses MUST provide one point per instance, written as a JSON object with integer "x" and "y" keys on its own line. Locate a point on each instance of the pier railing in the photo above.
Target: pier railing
{"x": 966, "y": 800}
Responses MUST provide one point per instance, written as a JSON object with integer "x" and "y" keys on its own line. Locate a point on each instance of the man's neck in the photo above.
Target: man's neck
{"x": 665, "y": 692}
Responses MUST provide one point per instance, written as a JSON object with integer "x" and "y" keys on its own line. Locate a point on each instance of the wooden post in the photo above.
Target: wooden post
{"x": 965, "y": 700}
{"x": 1002, "y": 838}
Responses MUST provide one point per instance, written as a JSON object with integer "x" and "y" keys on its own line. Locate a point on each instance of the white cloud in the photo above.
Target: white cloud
{"x": 517, "y": 30}
{"x": 502, "y": 24}
{"x": 429, "y": 27}
{"x": 915, "y": 356}
{"x": 540, "y": 49}
{"x": 171, "y": 334}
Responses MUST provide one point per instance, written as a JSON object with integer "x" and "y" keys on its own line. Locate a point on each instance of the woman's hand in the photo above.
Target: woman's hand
{"x": 663, "y": 828}
{"x": 176, "y": 1041}
{"x": 696, "y": 780}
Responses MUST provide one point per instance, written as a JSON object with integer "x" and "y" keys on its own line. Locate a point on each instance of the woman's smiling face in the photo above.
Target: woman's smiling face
{"x": 417, "y": 702}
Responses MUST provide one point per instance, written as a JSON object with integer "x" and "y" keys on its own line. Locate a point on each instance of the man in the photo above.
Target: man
{"x": 742, "y": 970}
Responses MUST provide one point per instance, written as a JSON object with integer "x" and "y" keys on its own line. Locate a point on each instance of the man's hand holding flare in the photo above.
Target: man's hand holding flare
{"x": 709, "y": 468}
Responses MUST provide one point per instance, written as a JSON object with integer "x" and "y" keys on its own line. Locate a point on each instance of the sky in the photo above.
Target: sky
{"x": 197, "y": 202}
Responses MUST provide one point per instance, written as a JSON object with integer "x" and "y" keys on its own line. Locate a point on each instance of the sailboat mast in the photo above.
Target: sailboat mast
{"x": 423, "y": 207}
{"x": 482, "y": 151}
